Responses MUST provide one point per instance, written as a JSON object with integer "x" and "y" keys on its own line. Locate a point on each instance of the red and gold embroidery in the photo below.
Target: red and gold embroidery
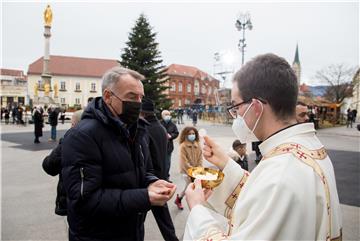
{"x": 308, "y": 157}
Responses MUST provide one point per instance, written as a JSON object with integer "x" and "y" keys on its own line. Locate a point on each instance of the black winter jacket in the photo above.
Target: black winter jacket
{"x": 53, "y": 117}
{"x": 157, "y": 144}
{"x": 52, "y": 166}
{"x": 173, "y": 131}
{"x": 105, "y": 177}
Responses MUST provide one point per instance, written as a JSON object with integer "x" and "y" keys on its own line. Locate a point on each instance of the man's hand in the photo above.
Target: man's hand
{"x": 160, "y": 192}
{"x": 195, "y": 194}
{"x": 168, "y": 136}
{"x": 214, "y": 154}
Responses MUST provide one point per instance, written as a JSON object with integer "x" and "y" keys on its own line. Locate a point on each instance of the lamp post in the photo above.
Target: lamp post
{"x": 242, "y": 23}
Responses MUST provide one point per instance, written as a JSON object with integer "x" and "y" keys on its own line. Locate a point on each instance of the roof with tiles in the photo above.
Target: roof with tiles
{"x": 74, "y": 66}
{"x": 190, "y": 71}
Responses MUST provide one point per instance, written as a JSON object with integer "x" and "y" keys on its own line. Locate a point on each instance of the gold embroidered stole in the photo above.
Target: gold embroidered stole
{"x": 302, "y": 154}
{"x": 308, "y": 157}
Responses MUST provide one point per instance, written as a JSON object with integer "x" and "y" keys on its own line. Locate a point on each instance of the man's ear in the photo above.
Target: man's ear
{"x": 106, "y": 96}
{"x": 258, "y": 107}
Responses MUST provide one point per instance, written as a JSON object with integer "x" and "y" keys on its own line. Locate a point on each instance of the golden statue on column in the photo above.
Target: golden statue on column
{"x": 56, "y": 90}
{"x": 48, "y": 16}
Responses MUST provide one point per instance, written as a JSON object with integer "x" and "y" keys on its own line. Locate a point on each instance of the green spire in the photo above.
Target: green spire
{"x": 296, "y": 59}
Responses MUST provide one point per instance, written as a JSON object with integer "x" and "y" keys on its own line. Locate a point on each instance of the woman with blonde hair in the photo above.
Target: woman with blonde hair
{"x": 190, "y": 156}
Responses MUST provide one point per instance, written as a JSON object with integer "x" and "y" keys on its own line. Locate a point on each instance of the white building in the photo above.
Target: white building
{"x": 75, "y": 78}
{"x": 355, "y": 103}
{"x": 13, "y": 88}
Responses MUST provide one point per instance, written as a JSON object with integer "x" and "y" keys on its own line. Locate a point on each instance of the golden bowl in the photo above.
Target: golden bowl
{"x": 210, "y": 178}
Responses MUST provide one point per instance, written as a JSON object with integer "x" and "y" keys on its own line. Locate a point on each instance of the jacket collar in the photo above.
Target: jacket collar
{"x": 194, "y": 144}
{"x": 282, "y": 136}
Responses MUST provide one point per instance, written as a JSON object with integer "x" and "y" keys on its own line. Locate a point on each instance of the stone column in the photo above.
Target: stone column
{"x": 46, "y": 77}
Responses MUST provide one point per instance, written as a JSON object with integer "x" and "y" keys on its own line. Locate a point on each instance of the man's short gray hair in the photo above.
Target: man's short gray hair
{"x": 113, "y": 75}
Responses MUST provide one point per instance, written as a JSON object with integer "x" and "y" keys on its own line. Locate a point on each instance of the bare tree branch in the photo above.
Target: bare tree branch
{"x": 339, "y": 78}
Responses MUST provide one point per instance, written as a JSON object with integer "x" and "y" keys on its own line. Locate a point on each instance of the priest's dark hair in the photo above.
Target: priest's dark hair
{"x": 270, "y": 78}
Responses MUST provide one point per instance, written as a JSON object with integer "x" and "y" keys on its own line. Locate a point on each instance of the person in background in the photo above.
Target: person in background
{"x": 349, "y": 118}
{"x": 14, "y": 113}
{"x": 7, "y": 115}
{"x": 354, "y": 111}
{"x": 190, "y": 156}
{"x": 194, "y": 117}
{"x": 172, "y": 133}
{"x": 156, "y": 141}
{"x": 19, "y": 114}
{"x": 38, "y": 119}
{"x": 62, "y": 116}
{"x": 53, "y": 113}
{"x": 52, "y": 166}
{"x": 302, "y": 112}
{"x": 238, "y": 154}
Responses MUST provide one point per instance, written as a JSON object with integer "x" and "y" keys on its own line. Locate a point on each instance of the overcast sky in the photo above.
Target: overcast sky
{"x": 188, "y": 33}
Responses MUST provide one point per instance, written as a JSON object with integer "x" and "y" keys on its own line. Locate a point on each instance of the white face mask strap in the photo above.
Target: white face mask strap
{"x": 247, "y": 110}
{"x": 257, "y": 121}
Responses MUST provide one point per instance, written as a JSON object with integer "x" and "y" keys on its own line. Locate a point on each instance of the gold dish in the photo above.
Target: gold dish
{"x": 210, "y": 178}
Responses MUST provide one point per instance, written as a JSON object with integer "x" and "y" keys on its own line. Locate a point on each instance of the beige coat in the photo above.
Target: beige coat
{"x": 190, "y": 155}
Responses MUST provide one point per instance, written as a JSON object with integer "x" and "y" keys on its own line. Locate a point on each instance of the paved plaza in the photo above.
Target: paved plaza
{"x": 28, "y": 193}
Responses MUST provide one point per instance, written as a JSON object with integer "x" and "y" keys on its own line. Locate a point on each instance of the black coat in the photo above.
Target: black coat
{"x": 38, "y": 123}
{"x": 105, "y": 177}
{"x": 157, "y": 143}
{"x": 52, "y": 166}
{"x": 53, "y": 117}
{"x": 173, "y": 131}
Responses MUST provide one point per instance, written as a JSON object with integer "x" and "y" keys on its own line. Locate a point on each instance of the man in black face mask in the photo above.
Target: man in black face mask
{"x": 109, "y": 187}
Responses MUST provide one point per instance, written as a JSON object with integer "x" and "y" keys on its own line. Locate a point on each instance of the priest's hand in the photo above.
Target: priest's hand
{"x": 214, "y": 153}
{"x": 160, "y": 192}
{"x": 195, "y": 194}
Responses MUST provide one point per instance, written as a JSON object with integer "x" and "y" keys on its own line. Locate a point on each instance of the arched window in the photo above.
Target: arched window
{"x": 173, "y": 86}
{"x": 189, "y": 88}
{"x": 196, "y": 87}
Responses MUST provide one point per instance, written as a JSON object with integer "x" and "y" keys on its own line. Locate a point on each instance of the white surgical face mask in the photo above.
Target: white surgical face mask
{"x": 241, "y": 129}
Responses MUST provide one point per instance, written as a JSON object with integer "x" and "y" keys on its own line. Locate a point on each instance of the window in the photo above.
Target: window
{"x": 196, "y": 87}
{"x": 180, "y": 86}
{"x": 77, "y": 86}
{"x": 62, "y": 100}
{"x": 93, "y": 87}
{"x": 210, "y": 90}
{"x": 189, "y": 88}
{"x": 173, "y": 87}
{"x": 62, "y": 85}
{"x": 203, "y": 89}
{"x": 77, "y": 101}
{"x": 187, "y": 101}
{"x": 180, "y": 102}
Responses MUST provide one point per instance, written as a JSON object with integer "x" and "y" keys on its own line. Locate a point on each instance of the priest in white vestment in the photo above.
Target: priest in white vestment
{"x": 291, "y": 194}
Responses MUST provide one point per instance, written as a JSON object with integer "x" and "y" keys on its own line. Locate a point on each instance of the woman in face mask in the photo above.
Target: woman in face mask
{"x": 190, "y": 156}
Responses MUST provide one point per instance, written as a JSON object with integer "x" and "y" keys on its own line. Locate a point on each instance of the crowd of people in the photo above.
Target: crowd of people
{"x": 14, "y": 115}
{"x": 114, "y": 163}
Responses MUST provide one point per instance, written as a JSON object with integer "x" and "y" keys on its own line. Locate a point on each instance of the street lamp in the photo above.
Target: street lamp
{"x": 242, "y": 23}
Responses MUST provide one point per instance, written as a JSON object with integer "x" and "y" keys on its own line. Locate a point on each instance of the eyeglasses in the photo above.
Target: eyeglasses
{"x": 233, "y": 109}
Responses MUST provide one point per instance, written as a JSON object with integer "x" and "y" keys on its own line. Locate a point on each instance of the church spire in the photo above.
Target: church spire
{"x": 296, "y": 59}
{"x": 296, "y": 65}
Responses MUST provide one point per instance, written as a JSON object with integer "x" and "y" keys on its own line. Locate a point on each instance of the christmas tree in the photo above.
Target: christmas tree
{"x": 142, "y": 55}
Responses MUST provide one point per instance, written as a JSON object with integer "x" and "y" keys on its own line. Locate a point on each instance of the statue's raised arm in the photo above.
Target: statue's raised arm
{"x": 48, "y": 16}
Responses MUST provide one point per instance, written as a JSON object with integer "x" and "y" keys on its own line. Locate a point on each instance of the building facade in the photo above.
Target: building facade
{"x": 13, "y": 89}
{"x": 73, "y": 79}
{"x": 190, "y": 86}
{"x": 355, "y": 103}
